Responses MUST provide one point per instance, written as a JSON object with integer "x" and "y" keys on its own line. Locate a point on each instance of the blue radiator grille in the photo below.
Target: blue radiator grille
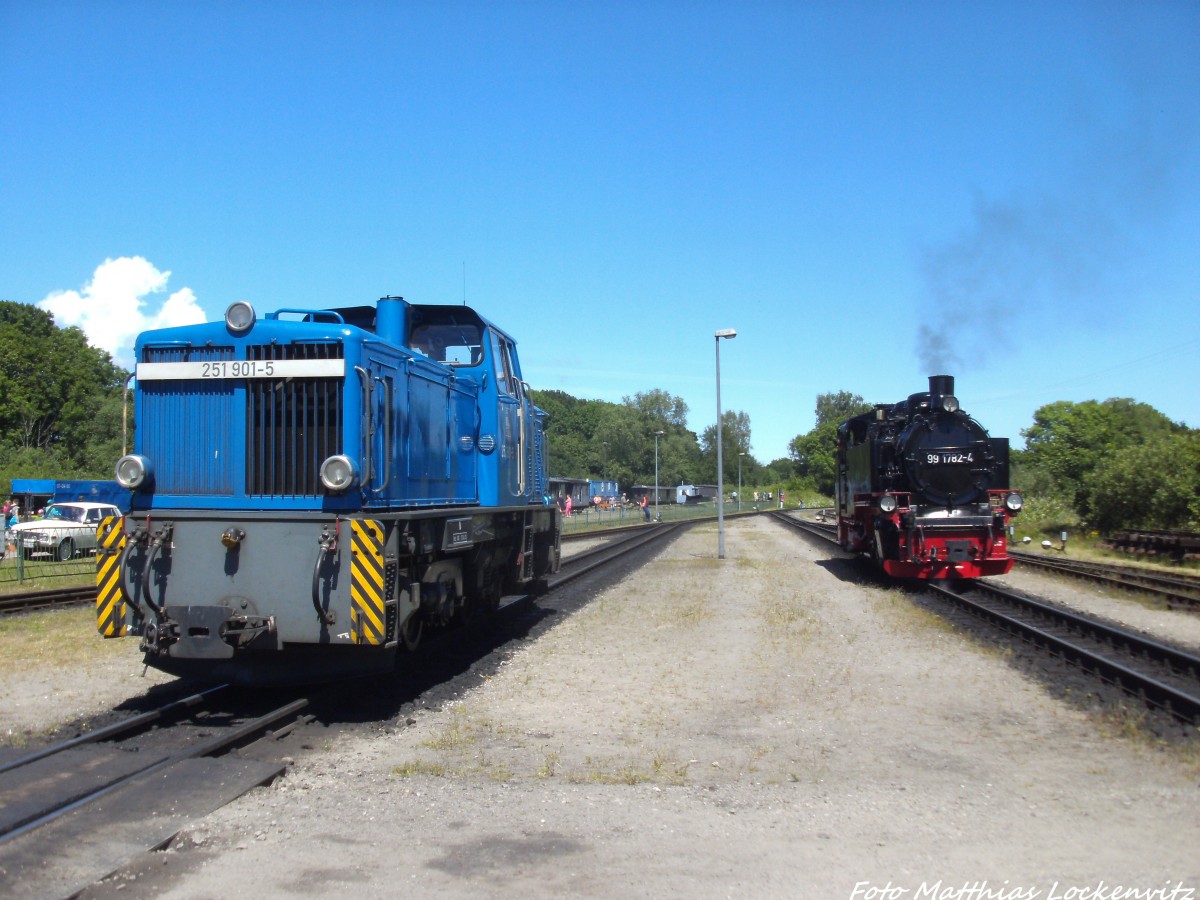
{"x": 233, "y": 437}
{"x": 292, "y": 426}
{"x": 184, "y": 426}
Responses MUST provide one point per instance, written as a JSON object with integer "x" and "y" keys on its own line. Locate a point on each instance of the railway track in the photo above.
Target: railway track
{"x": 824, "y": 530}
{"x": 1178, "y": 591}
{"x": 76, "y": 811}
{"x": 72, "y": 812}
{"x": 615, "y": 544}
{"x": 1164, "y": 677}
{"x": 27, "y": 601}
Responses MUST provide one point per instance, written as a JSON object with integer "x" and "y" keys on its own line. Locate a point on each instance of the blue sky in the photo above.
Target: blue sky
{"x": 868, "y": 192}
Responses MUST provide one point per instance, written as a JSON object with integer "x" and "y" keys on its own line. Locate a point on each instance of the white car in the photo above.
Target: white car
{"x": 64, "y": 530}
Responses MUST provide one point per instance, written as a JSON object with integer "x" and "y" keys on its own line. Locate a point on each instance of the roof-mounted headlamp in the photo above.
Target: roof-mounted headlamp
{"x": 239, "y": 318}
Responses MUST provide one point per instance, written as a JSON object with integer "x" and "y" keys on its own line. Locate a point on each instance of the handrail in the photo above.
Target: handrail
{"x": 335, "y": 317}
{"x": 367, "y": 422}
{"x": 523, "y": 441}
{"x": 125, "y": 413}
{"x": 388, "y": 388}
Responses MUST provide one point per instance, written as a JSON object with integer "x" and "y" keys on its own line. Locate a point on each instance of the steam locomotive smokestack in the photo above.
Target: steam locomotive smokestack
{"x": 941, "y": 385}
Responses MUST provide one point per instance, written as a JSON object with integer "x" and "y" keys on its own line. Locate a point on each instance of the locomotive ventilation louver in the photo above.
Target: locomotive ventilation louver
{"x": 292, "y": 426}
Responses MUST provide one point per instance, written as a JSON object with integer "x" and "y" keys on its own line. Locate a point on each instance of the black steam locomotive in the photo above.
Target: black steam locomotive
{"x": 923, "y": 489}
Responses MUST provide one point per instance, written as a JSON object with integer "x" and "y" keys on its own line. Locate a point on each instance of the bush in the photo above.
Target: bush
{"x": 1150, "y": 485}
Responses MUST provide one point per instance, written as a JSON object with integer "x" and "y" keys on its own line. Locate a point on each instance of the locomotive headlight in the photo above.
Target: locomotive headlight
{"x": 1014, "y": 501}
{"x": 338, "y": 474}
{"x": 950, "y": 403}
{"x": 239, "y": 318}
{"x": 133, "y": 471}
{"x": 887, "y": 503}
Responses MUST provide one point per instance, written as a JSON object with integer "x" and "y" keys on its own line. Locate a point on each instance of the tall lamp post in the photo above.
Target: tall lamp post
{"x": 740, "y": 455}
{"x": 728, "y": 334}
{"x": 657, "y": 435}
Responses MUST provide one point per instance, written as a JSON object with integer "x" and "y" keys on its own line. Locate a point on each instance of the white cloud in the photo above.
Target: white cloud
{"x": 112, "y": 308}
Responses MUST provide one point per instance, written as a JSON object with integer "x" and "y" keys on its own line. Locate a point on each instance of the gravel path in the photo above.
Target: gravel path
{"x": 761, "y": 726}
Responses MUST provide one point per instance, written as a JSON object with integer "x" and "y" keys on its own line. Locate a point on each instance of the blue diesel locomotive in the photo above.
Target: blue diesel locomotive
{"x": 310, "y": 489}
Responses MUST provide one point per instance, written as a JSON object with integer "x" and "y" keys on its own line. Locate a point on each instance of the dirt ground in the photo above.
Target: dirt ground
{"x": 766, "y": 725}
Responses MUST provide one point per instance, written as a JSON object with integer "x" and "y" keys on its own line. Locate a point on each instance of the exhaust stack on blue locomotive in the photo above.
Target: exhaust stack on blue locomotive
{"x": 311, "y": 488}
{"x": 923, "y": 489}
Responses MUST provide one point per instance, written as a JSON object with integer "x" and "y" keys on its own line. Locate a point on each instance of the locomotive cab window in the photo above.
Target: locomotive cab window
{"x": 453, "y": 344}
{"x": 506, "y": 378}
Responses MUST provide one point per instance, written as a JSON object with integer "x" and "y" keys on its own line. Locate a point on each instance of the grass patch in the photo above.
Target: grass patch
{"x": 1135, "y": 724}
{"x": 783, "y": 612}
{"x": 896, "y": 603}
{"x": 419, "y": 767}
{"x": 459, "y": 753}
{"x": 40, "y": 575}
{"x": 661, "y": 770}
{"x": 693, "y": 563}
{"x": 461, "y": 733}
{"x": 56, "y": 638}
{"x": 548, "y": 767}
{"x": 687, "y": 613}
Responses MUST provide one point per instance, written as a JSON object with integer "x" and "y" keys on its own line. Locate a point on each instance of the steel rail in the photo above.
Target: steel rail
{"x": 117, "y": 729}
{"x": 1180, "y": 703}
{"x": 582, "y": 563}
{"x": 822, "y": 530}
{"x": 1179, "y": 591}
{"x": 27, "y": 601}
{"x": 206, "y": 748}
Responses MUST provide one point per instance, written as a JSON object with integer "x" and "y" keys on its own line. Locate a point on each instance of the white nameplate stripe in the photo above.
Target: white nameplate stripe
{"x": 239, "y": 368}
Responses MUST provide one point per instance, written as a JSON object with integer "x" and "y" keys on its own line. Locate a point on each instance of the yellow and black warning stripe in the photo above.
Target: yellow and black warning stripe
{"x": 367, "y": 616}
{"x": 110, "y": 595}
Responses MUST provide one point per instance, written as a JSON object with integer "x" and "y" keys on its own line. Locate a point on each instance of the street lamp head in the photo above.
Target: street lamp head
{"x": 660, "y": 432}
{"x": 727, "y": 333}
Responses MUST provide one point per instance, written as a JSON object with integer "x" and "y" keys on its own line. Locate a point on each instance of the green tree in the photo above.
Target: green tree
{"x": 59, "y": 397}
{"x": 1069, "y": 440}
{"x": 596, "y": 438}
{"x": 813, "y": 453}
{"x": 777, "y": 470}
{"x": 1148, "y": 485}
{"x": 659, "y": 408}
{"x": 735, "y": 439}
{"x": 837, "y": 408}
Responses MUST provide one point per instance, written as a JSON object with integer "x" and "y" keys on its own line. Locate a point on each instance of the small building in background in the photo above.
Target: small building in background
{"x": 695, "y": 493}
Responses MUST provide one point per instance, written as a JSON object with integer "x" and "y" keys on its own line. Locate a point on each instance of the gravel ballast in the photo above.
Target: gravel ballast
{"x": 767, "y": 725}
